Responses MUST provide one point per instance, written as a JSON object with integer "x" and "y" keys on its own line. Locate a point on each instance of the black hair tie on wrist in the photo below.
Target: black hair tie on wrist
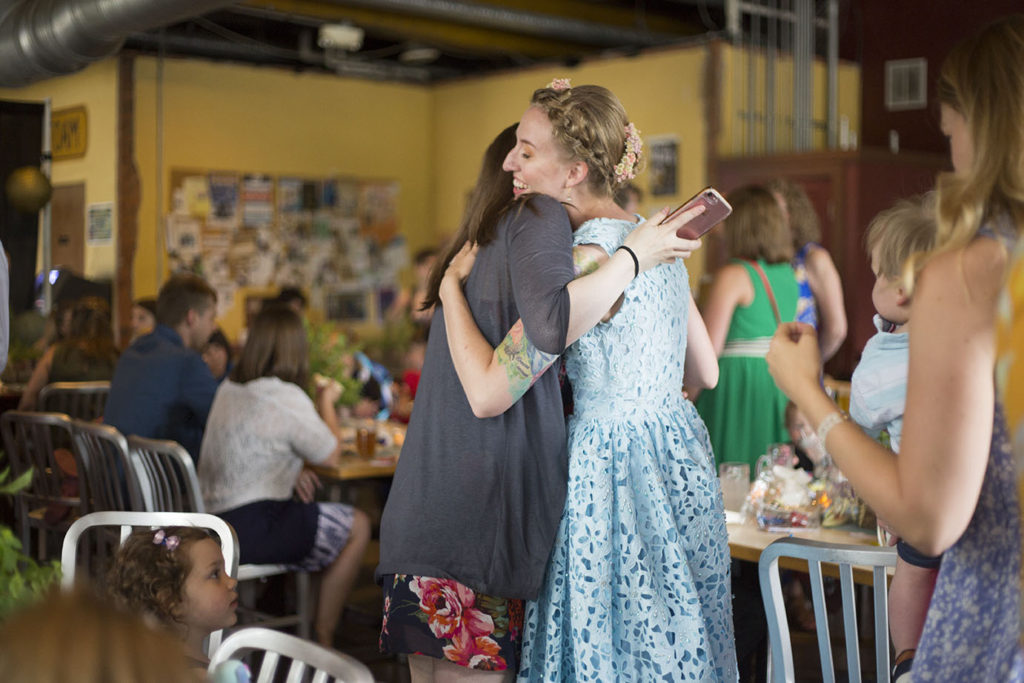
{"x": 636, "y": 261}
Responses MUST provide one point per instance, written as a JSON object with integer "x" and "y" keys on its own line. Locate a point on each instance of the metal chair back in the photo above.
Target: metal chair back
{"x": 846, "y": 557}
{"x": 127, "y": 520}
{"x": 307, "y": 658}
{"x": 104, "y": 453}
{"x": 31, "y": 441}
{"x": 166, "y": 479}
{"x": 165, "y": 475}
{"x": 78, "y": 400}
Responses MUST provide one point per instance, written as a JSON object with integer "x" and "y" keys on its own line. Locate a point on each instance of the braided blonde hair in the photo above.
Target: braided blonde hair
{"x": 589, "y": 124}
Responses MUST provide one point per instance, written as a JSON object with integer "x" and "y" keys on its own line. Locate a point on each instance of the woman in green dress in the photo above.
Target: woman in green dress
{"x": 749, "y": 296}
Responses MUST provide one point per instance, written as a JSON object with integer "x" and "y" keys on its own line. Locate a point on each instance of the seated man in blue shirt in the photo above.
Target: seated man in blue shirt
{"x": 161, "y": 388}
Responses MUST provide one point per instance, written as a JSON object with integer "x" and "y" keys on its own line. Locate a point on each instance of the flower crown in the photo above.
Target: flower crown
{"x": 626, "y": 168}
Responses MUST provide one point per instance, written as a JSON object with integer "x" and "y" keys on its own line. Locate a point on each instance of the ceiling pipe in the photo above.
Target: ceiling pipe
{"x": 257, "y": 53}
{"x": 529, "y": 23}
{"x": 40, "y": 39}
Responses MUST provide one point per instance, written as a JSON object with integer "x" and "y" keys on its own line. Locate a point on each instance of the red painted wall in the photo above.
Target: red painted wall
{"x": 874, "y": 31}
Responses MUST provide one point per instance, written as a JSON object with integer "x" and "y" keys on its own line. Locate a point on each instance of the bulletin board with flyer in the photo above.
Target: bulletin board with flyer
{"x": 335, "y": 238}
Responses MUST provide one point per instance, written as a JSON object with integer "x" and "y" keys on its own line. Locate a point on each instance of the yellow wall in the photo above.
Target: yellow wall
{"x": 661, "y": 91}
{"x": 96, "y": 88}
{"x": 735, "y": 100}
{"x": 251, "y": 119}
{"x": 220, "y": 116}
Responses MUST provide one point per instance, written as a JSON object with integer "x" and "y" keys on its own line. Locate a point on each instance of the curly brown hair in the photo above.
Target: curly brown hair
{"x": 803, "y": 218}
{"x": 148, "y": 578}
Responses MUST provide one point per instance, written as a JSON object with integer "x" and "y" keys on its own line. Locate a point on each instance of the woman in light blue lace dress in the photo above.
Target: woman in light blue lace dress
{"x": 952, "y": 489}
{"x": 637, "y": 587}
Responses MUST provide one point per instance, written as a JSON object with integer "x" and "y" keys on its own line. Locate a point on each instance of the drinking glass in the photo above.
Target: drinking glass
{"x": 735, "y": 481}
{"x": 366, "y": 439}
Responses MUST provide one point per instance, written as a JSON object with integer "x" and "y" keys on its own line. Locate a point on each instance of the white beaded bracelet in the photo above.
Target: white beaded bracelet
{"x": 826, "y": 425}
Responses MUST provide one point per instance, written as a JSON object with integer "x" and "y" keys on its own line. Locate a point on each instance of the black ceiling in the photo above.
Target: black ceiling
{"x": 461, "y": 37}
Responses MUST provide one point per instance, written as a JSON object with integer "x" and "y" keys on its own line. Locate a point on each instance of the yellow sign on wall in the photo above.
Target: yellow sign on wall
{"x": 68, "y": 133}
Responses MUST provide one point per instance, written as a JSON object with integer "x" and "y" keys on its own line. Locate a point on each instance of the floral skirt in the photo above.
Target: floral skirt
{"x": 444, "y": 619}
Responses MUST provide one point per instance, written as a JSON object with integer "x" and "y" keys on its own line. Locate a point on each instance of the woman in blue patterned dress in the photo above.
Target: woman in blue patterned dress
{"x": 475, "y": 504}
{"x": 952, "y": 489}
{"x": 821, "y": 290}
{"x": 637, "y": 586}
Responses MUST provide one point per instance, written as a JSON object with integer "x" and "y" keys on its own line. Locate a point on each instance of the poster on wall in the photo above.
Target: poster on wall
{"x": 223, "y": 201}
{"x": 100, "y": 223}
{"x": 257, "y": 201}
{"x": 196, "y": 190}
{"x": 663, "y": 155}
{"x": 336, "y": 238}
{"x": 184, "y": 244}
{"x": 378, "y": 211}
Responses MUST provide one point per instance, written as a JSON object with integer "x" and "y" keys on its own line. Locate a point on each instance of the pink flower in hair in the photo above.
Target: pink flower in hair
{"x": 626, "y": 168}
{"x": 169, "y": 542}
{"x": 559, "y": 84}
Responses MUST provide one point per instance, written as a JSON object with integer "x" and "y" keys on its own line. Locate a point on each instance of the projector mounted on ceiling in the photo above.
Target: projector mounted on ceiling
{"x": 340, "y": 37}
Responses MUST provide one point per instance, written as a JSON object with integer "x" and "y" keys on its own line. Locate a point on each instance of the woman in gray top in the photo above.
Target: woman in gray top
{"x": 475, "y": 503}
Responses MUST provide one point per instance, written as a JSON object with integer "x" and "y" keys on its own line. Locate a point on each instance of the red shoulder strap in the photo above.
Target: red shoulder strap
{"x": 768, "y": 288}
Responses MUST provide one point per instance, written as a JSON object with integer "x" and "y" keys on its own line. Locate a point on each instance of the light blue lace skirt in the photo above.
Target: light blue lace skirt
{"x": 637, "y": 588}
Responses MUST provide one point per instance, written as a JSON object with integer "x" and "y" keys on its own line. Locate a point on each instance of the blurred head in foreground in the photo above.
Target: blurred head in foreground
{"x": 75, "y": 636}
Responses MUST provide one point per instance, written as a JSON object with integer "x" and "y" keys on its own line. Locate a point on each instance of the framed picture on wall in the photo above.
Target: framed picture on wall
{"x": 349, "y": 305}
{"x": 663, "y": 159}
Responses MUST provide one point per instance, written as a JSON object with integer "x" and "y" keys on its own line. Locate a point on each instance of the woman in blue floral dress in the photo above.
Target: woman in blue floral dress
{"x": 637, "y": 587}
{"x": 475, "y": 504}
{"x": 952, "y": 490}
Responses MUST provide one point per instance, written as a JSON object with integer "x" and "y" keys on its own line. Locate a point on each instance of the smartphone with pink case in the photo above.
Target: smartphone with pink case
{"x": 716, "y": 209}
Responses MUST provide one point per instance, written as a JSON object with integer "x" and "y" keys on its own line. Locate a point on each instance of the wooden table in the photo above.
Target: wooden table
{"x": 353, "y": 467}
{"x": 344, "y": 482}
{"x": 746, "y": 542}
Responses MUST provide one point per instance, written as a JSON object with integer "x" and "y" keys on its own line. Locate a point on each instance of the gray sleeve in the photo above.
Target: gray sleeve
{"x": 5, "y": 308}
{"x": 540, "y": 264}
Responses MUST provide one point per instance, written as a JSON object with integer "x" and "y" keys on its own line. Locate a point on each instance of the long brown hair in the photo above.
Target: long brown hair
{"x": 981, "y": 78}
{"x": 490, "y": 198}
{"x": 90, "y": 329}
{"x": 276, "y": 347}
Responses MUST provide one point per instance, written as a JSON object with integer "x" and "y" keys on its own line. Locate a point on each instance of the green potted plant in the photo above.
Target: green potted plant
{"x": 22, "y": 579}
{"x": 330, "y": 355}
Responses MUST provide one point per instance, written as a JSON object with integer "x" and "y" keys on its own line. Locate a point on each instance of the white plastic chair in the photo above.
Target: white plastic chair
{"x": 846, "y": 556}
{"x": 127, "y": 520}
{"x": 323, "y": 662}
{"x": 166, "y": 478}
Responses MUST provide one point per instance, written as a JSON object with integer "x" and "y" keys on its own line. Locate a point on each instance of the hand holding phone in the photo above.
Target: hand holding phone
{"x": 715, "y": 211}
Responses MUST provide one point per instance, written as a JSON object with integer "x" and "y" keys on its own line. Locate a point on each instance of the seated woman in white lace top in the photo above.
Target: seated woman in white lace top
{"x": 261, "y": 430}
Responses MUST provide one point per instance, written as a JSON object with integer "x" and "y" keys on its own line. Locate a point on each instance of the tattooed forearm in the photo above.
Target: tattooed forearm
{"x": 583, "y": 263}
{"x": 523, "y": 362}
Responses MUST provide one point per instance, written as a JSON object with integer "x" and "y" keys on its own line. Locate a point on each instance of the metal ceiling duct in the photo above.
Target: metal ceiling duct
{"x": 44, "y": 38}
{"x": 520, "y": 21}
